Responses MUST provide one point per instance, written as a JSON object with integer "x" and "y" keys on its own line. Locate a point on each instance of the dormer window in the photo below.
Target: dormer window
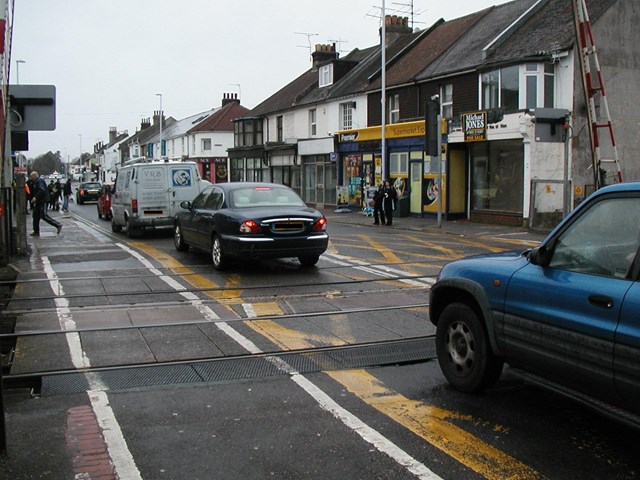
{"x": 325, "y": 75}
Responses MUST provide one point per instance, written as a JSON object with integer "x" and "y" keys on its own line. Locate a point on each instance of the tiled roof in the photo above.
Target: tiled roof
{"x": 447, "y": 48}
{"x": 426, "y": 49}
{"x": 550, "y": 28}
{"x": 222, "y": 119}
{"x": 285, "y": 98}
{"x": 466, "y": 52}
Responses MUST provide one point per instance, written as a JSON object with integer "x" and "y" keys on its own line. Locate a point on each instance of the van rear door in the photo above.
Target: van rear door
{"x": 153, "y": 188}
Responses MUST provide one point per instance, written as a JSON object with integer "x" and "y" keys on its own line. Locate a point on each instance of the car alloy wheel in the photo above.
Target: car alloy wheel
{"x": 178, "y": 240}
{"x": 217, "y": 254}
{"x": 463, "y": 349}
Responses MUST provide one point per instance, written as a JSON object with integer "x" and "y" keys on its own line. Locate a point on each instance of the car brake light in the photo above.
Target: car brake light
{"x": 249, "y": 226}
{"x": 321, "y": 225}
{"x": 134, "y": 205}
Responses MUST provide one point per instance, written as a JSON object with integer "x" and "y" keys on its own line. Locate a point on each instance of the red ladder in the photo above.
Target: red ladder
{"x": 594, "y": 91}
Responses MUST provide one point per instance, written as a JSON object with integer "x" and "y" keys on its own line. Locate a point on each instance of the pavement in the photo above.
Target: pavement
{"x": 78, "y": 429}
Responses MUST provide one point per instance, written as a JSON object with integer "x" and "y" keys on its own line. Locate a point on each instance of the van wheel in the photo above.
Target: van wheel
{"x": 217, "y": 254}
{"x": 178, "y": 240}
{"x": 115, "y": 228}
{"x": 131, "y": 230}
{"x": 464, "y": 351}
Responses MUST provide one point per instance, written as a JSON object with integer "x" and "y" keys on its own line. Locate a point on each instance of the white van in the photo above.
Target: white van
{"x": 148, "y": 193}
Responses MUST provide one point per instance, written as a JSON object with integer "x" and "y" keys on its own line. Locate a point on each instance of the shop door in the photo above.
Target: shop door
{"x": 415, "y": 185}
{"x": 457, "y": 184}
{"x": 320, "y": 193}
{"x": 310, "y": 183}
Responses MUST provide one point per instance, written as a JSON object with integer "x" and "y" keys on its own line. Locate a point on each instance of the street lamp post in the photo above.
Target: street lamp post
{"x": 160, "y": 115}
{"x": 18, "y": 62}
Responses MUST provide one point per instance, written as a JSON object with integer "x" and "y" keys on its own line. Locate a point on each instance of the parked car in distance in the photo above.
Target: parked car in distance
{"x": 566, "y": 313}
{"x": 251, "y": 221}
{"x": 104, "y": 201}
{"x": 87, "y": 191}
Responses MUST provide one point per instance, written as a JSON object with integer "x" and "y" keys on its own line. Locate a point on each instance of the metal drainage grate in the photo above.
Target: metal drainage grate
{"x": 234, "y": 368}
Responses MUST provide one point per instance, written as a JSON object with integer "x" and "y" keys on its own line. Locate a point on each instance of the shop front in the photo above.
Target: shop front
{"x": 414, "y": 175}
{"x": 496, "y": 167}
{"x": 213, "y": 169}
{"x": 319, "y": 175}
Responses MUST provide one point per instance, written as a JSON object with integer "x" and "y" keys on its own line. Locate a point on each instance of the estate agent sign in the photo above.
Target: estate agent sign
{"x": 474, "y": 126}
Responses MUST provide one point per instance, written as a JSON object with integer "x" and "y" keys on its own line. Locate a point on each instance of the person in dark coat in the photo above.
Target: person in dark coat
{"x": 57, "y": 192}
{"x": 67, "y": 191}
{"x": 29, "y": 187}
{"x": 378, "y": 212}
{"x": 389, "y": 196}
{"x": 40, "y": 200}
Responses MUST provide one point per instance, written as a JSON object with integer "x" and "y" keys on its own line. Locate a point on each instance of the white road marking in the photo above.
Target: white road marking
{"x": 123, "y": 462}
{"x": 121, "y": 458}
{"x": 367, "y": 433}
{"x": 378, "y": 270}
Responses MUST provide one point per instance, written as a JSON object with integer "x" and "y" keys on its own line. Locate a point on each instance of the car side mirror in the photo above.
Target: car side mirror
{"x": 186, "y": 204}
{"x": 540, "y": 256}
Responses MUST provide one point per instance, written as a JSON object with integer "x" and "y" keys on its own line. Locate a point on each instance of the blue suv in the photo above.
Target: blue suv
{"x": 567, "y": 312}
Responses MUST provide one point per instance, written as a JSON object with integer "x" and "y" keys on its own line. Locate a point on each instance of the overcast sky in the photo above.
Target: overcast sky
{"x": 109, "y": 58}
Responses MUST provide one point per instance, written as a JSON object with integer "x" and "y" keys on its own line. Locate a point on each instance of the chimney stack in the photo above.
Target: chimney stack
{"x": 228, "y": 98}
{"x": 323, "y": 54}
{"x": 113, "y": 134}
{"x": 156, "y": 117}
{"x": 395, "y": 27}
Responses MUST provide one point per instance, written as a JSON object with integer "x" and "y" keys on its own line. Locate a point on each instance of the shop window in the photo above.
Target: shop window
{"x": 399, "y": 164}
{"x": 237, "y": 170}
{"x": 353, "y": 178}
{"x": 313, "y": 126}
{"x": 394, "y": 108}
{"x": 254, "y": 170}
{"x": 497, "y": 176}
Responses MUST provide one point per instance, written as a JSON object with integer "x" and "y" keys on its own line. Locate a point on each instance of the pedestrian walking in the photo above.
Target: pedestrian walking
{"x": 28, "y": 189}
{"x": 389, "y": 196}
{"x": 39, "y": 201}
{"x": 50, "y": 201}
{"x": 378, "y": 212}
{"x": 67, "y": 191}
{"x": 57, "y": 193}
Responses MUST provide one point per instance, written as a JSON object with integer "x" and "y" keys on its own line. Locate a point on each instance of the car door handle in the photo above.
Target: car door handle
{"x": 601, "y": 301}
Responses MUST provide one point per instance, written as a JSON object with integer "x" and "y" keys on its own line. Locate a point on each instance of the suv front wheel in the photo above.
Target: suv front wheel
{"x": 463, "y": 349}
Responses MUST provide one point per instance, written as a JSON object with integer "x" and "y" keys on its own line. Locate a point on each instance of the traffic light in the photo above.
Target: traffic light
{"x": 431, "y": 130}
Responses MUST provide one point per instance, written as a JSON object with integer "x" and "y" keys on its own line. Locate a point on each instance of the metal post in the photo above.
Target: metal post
{"x": 439, "y": 157}
{"x": 160, "y": 119}
{"x": 3, "y": 425}
{"x": 18, "y": 62}
{"x": 383, "y": 99}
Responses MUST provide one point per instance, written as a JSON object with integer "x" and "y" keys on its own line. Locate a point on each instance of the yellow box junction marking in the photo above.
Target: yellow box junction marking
{"x": 187, "y": 275}
{"x": 433, "y": 425}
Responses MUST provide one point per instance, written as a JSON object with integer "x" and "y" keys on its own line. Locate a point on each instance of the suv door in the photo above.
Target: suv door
{"x": 563, "y": 317}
